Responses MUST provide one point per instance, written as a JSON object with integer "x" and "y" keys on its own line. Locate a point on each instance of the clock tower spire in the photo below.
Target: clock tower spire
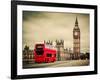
{"x": 76, "y": 22}
{"x": 76, "y": 40}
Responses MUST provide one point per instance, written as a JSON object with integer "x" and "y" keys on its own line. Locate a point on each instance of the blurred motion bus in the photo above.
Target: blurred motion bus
{"x": 44, "y": 53}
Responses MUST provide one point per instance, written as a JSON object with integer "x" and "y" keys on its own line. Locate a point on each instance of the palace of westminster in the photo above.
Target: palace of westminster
{"x": 63, "y": 53}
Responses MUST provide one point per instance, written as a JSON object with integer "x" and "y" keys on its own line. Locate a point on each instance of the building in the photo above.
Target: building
{"x": 68, "y": 54}
{"x": 76, "y": 40}
{"x": 28, "y": 55}
{"x": 60, "y": 49}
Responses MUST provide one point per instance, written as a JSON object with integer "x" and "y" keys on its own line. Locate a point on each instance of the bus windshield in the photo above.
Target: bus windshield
{"x": 39, "y": 51}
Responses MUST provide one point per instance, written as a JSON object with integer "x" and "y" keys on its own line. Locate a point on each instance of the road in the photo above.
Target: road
{"x": 58, "y": 64}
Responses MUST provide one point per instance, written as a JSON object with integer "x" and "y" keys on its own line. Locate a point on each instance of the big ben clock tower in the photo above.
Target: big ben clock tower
{"x": 76, "y": 40}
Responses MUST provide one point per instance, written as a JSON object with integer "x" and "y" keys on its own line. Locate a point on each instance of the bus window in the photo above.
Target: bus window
{"x": 55, "y": 55}
{"x": 39, "y": 51}
{"x": 49, "y": 55}
{"x": 39, "y": 46}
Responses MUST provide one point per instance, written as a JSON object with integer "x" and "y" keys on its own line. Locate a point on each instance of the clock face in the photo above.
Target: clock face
{"x": 76, "y": 33}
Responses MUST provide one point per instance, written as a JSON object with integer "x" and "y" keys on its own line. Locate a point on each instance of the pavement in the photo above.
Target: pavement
{"x": 57, "y": 64}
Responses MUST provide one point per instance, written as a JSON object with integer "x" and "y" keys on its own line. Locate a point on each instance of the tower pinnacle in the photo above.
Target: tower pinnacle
{"x": 76, "y": 22}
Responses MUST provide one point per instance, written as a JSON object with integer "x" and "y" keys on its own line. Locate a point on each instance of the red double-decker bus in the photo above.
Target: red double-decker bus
{"x": 42, "y": 53}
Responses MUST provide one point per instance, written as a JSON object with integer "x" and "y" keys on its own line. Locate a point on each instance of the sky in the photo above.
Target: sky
{"x": 40, "y": 26}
